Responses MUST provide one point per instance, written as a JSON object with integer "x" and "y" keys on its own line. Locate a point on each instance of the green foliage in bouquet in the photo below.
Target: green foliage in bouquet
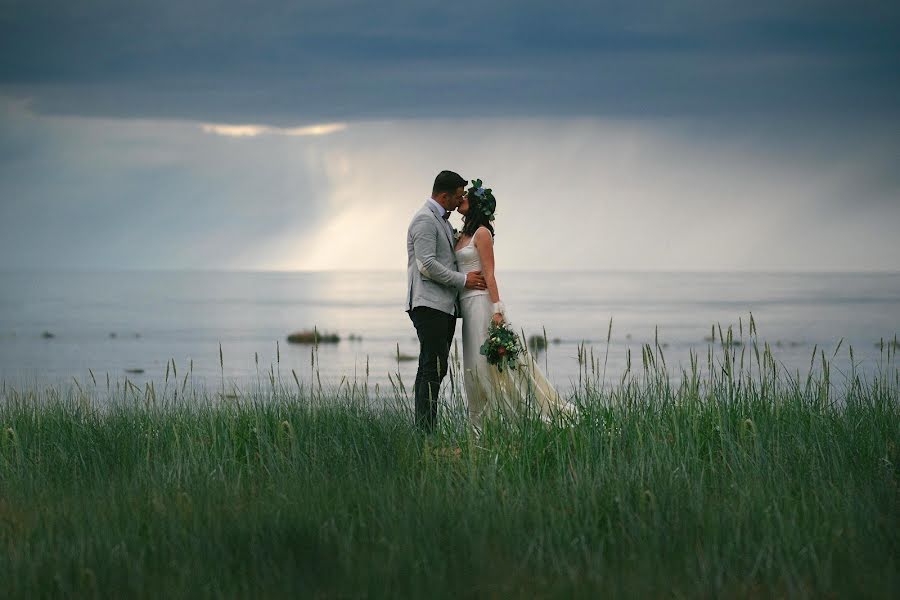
{"x": 502, "y": 347}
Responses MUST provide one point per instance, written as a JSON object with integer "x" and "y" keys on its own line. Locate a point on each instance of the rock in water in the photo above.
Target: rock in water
{"x": 537, "y": 342}
{"x": 313, "y": 337}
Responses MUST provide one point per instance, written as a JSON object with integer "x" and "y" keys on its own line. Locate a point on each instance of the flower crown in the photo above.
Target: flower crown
{"x": 486, "y": 204}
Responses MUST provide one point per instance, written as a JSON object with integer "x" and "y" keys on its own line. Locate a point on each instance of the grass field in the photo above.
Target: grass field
{"x": 733, "y": 479}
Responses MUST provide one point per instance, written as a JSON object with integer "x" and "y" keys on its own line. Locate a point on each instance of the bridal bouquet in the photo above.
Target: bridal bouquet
{"x": 502, "y": 346}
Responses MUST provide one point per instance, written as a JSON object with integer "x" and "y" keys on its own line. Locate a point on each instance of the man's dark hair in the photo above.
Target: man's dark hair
{"x": 447, "y": 181}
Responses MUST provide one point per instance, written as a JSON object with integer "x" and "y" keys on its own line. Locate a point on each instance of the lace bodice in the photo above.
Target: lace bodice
{"x": 469, "y": 260}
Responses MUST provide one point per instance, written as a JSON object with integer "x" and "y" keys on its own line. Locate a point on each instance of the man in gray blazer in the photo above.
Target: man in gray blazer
{"x": 433, "y": 286}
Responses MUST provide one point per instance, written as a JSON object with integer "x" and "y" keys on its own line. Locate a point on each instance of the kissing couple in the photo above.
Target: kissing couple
{"x": 452, "y": 275}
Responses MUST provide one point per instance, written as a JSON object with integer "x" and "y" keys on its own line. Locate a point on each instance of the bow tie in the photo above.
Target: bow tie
{"x": 446, "y": 215}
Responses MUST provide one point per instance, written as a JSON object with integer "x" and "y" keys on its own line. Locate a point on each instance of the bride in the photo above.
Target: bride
{"x": 489, "y": 391}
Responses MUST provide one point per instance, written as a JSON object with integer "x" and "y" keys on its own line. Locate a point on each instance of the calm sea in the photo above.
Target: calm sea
{"x": 112, "y": 321}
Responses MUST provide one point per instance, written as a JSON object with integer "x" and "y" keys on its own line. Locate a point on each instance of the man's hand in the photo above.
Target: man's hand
{"x": 474, "y": 281}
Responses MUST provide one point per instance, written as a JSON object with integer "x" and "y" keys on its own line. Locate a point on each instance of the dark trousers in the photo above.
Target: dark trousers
{"x": 435, "y": 330}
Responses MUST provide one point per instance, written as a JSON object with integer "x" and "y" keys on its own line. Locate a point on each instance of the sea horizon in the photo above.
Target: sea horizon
{"x": 773, "y": 271}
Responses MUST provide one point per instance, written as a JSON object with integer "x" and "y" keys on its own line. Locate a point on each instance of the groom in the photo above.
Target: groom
{"x": 433, "y": 286}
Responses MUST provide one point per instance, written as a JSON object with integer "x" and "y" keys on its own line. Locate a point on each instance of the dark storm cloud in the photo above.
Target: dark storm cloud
{"x": 782, "y": 114}
{"x": 287, "y": 61}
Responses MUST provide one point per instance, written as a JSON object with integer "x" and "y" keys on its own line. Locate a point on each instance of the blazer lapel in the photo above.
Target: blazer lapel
{"x": 442, "y": 225}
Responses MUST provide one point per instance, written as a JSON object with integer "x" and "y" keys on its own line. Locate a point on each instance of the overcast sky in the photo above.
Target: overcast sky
{"x": 705, "y": 134}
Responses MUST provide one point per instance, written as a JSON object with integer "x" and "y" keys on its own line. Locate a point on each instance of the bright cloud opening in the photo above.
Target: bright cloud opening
{"x": 241, "y": 131}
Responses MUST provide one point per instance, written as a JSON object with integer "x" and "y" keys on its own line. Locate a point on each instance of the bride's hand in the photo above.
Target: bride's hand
{"x": 497, "y": 318}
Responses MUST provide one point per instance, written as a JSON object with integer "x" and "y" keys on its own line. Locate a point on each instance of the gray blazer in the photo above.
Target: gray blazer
{"x": 431, "y": 271}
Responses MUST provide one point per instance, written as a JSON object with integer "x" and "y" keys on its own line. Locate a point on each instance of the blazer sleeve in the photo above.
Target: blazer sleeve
{"x": 425, "y": 237}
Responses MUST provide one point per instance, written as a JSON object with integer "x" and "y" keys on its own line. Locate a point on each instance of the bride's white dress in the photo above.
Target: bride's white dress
{"x": 488, "y": 390}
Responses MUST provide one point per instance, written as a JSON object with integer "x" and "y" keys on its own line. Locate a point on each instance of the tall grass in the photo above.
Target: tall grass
{"x": 734, "y": 478}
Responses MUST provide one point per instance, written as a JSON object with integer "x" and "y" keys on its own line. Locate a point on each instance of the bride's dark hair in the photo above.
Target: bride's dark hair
{"x": 481, "y": 210}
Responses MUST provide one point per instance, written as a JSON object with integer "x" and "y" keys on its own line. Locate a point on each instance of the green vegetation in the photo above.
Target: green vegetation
{"x": 733, "y": 480}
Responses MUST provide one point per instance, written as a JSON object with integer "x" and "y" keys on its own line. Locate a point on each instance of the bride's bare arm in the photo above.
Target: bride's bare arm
{"x": 484, "y": 243}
